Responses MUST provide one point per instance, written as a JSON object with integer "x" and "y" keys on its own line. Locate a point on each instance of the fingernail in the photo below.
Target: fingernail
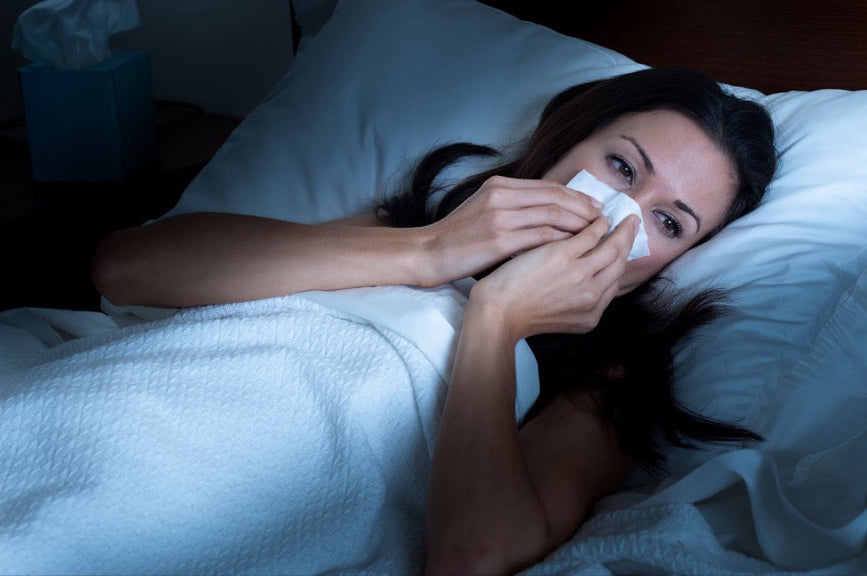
{"x": 597, "y": 204}
{"x": 636, "y": 224}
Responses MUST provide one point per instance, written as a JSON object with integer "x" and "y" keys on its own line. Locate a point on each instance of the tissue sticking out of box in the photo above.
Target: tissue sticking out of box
{"x": 72, "y": 33}
{"x": 617, "y": 207}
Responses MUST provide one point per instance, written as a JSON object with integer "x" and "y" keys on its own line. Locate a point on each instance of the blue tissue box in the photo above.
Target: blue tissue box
{"x": 93, "y": 123}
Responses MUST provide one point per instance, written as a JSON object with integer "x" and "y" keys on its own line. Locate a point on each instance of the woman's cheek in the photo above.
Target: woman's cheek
{"x": 643, "y": 269}
{"x": 634, "y": 275}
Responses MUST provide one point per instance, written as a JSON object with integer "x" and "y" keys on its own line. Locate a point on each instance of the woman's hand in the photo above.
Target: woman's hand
{"x": 562, "y": 286}
{"x": 504, "y": 217}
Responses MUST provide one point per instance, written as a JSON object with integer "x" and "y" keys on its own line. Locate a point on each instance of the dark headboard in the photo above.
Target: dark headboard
{"x": 770, "y": 45}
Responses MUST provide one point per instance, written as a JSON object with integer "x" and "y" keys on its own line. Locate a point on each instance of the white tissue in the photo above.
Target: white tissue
{"x": 72, "y": 33}
{"x": 617, "y": 207}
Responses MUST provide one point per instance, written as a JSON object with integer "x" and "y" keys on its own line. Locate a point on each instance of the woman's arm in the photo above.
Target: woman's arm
{"x": 501, "y": 499}
{"x": 210, "y": 258}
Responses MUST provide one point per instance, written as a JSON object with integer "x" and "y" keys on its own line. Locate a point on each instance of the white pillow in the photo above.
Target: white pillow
{"x": 371, "y": 93}
{"x": 787, "y": 263}
{"x": 382, "y": 82}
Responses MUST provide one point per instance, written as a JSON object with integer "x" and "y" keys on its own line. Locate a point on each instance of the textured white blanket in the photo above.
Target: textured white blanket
{"x": 275, "y": 436}
{"x": 292, "y": 436}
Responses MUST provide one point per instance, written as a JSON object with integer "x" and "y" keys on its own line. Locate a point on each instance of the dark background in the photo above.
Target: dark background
{"x": 48, "y": 230}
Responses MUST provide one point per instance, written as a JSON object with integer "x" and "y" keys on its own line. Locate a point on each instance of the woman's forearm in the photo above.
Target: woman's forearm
{"x": 484, "y": 515}
{"x": 501, "y": 498}
{"x": 213, "y": 258}
{"x": 200, "y": 259}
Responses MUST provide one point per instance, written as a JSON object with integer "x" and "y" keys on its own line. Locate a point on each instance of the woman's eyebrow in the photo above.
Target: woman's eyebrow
{"x": 682, "y": 205}
{"x": 648, "y": 165}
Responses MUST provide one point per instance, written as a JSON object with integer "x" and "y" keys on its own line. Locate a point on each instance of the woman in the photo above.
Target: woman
{"x": 503, "y": 495}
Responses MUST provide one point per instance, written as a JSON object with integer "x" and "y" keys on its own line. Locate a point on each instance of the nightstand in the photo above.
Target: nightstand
{"x": 49, "y": 230}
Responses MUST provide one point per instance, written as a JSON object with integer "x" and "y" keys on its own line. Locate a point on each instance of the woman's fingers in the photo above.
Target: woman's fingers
{"x": 609, "y": 257}
{"x": 582, "y": 236}
{"x": 563, "y": 286}
{"x": 606, "y": 250}
{"x": 603, "y": 257}
{"x": 506, "y": 216}
{"x": 517, "y": 194}
{"x": 618, "y": 245}
{"x": 589, "y": 238}
{"x": 548, "y": 215}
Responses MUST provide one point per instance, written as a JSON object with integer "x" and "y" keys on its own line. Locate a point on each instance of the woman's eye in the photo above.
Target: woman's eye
{"x": 623, "y": 167}
{"x": 669, "y": 223}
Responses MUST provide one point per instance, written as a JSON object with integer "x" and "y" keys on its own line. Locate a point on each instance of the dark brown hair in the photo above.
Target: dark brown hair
{"x": 742, "y": 129}
{"x": 625, "y": 365}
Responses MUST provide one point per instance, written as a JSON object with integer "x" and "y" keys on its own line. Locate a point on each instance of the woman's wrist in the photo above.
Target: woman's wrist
{"x": 432, "y": 266}
{"x": 405, "y": 257}
{"x": 493, "y": 315}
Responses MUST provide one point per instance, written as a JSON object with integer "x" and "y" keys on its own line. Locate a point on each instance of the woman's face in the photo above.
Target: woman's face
{"x": 680, "y": 178}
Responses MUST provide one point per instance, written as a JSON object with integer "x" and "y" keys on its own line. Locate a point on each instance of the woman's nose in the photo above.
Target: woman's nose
{"x": 643, "y": 199}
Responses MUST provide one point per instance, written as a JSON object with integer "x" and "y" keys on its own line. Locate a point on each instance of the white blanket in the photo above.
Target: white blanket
{"x": 293, "y": 436}
{"x": 695, "y": 527}
{"x": 275, "y": 436}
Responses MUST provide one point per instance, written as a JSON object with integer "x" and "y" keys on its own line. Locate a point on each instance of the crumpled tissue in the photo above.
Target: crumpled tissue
{"x": 617, "y": 206}
{"x": 72, "y": 33}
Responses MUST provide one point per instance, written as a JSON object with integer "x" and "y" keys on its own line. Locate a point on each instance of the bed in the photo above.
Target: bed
{"x": 293, "y": 435}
